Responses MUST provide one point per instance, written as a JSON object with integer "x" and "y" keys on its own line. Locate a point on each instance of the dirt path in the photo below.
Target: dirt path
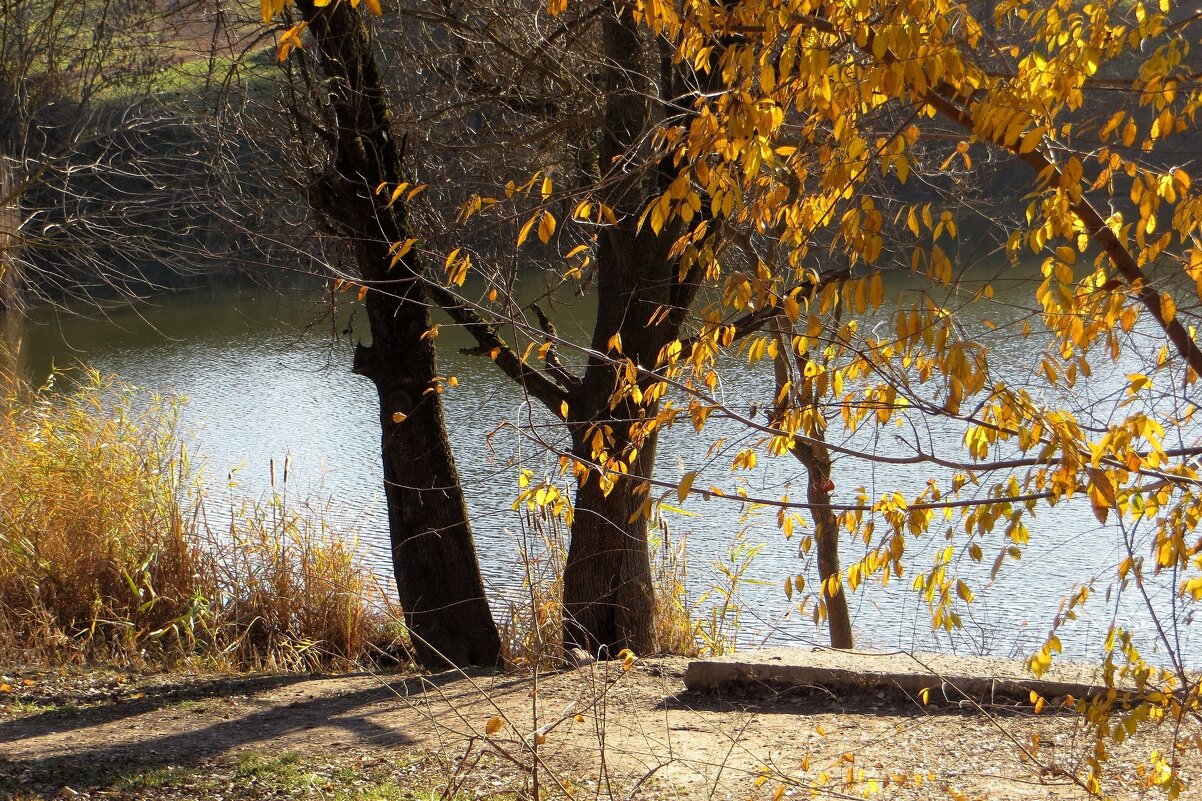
{"x": 638, "y": 734}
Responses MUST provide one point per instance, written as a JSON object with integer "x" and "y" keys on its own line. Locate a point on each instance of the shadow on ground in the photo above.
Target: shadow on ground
{"x": 85, "y": 761}
{"x": 768, "y": 699}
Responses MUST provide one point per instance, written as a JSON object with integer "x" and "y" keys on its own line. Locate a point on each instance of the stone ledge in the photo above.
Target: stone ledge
{"x": 948, "y": 678}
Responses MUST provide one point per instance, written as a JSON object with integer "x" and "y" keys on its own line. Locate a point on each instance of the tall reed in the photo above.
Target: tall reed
{"x": 106, "y": 552}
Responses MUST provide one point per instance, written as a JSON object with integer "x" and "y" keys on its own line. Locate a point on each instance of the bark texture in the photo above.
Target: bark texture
{"x": 437, "y": 572}
{"x": 609, "y": 599}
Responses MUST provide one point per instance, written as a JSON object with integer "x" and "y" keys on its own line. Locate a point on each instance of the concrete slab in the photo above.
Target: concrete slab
{"x": 948, "y": 678}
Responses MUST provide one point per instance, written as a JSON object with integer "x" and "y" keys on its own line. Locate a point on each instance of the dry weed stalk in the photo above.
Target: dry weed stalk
{"x": 106, "y": 554}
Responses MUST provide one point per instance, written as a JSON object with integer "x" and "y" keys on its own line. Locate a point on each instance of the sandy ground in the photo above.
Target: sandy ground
{"x": 603, "y": 732}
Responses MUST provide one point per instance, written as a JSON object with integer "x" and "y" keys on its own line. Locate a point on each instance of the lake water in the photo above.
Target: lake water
{"x": 267, "y": 376}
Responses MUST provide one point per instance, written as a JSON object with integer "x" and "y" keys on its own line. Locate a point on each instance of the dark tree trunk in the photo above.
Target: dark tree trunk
{"x": 437, "y": 572}
{"x": 608, "y": 592}
{"x": 608, "y": 595}
{"x": 812, "y": 452}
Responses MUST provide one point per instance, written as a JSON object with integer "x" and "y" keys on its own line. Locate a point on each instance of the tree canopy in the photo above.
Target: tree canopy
{"x": 817, "y": 151}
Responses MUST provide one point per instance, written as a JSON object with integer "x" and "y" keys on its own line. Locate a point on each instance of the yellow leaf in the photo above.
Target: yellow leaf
{"x": 1032, "y": 139}
{"x": 1102, "y": 483}
{"x": 525, "y": 232}
{"x": 1168, "y": 307}
{"x": 396, "y": 193}
{"x": 546, "y": 226}
{"x": 401, "y": 251}
{"x": 791, "y": 307}
{"x": 876, "y": 291}
{"x": 1136, "y": 382}
{"x": 289, "y": 40}
{"x": 628, "y": 658}
{"x": 494, "y": 725}
{"x": 399, "y": 417}
{"x": 686, "y": 483}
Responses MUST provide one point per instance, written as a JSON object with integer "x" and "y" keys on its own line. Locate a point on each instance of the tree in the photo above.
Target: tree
{"x": 359, "y": 190}
{"x": 67, "y": 67}
{"x": 643, "y": 295}
{"x": 108, "y": 164}
{"x": 644, "y": 292}
{"x": 827, "y": 109}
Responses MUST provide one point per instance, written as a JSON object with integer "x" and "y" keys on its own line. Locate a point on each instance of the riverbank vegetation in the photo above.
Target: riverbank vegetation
{"x": 114, "y": 552}
{"x": 111, "y": 553}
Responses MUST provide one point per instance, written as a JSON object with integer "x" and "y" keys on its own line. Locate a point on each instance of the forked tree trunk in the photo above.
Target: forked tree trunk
{"x": 437, "y": 572}
{"x": 608, "y": 594}
{"x": 608, "y": 597}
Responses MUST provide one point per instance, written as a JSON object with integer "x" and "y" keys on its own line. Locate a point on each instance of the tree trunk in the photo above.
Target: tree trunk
{"x": 10, "y": 276}
{"x": 608, "y": 596}
{"x": 437, "y": 572}
{"x": 608, "y": 593}
{"x": 817, "y": 459}
{"x": 810, "y": 449}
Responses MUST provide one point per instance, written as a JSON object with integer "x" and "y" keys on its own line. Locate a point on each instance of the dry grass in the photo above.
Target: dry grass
{"x": 105, "y": 553}
{"x": 108, "y": 553}
{"x": 704, "y": 625}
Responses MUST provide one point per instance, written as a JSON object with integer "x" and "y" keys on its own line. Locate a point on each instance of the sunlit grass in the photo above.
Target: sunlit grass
{"x": 706, "y": 624}
{"x": 111, "y": 551}
{"x": 106, "y": 553}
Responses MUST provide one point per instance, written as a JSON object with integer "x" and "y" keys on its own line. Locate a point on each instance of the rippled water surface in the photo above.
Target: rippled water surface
{"x": 267, "y": 376}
